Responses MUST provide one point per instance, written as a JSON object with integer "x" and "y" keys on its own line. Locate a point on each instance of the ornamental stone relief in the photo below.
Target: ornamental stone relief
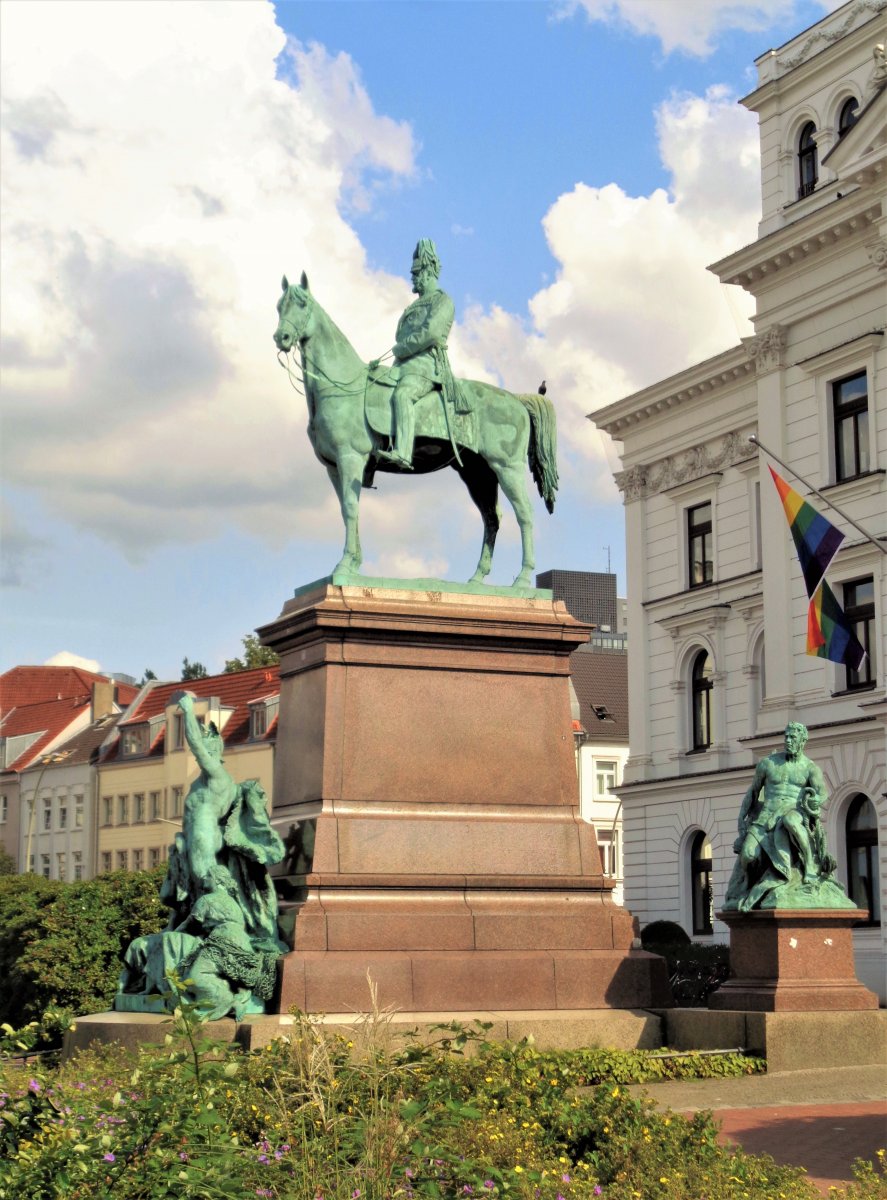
{"x": 649, "y": 479}
{"x": 765, "y": 350}
{"x": 861, "y": 12}
{"x": 877, "y": 252}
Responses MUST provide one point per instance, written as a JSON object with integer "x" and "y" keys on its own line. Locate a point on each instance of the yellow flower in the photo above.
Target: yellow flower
{"x": 518, "y": 1169}
{"x": 663, "y": 1179}
{"x": 615, "y": 1091}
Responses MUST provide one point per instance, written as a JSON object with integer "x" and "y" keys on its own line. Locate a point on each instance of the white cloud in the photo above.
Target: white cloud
{"x": 158, "y": 179}
{"x": 632, "y": 301}
{"x": 692, "y": 26}
{"x": 65, "y": 658}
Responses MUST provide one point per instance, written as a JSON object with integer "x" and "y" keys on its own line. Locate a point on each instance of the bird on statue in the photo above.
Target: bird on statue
{"x": 542, "y": 388}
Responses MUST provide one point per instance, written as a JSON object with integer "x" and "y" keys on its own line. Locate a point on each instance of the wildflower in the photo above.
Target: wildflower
{"x": 109, "y": 1157}
{"x": 565, "y": 1178}
{"x": 468, "y": 1189}
{"x": 598, "y": 1190}
{"x": 355, "y": 1194}
{"x": 183, "y": 1156}
{"x": 518, "y": 1170}
{"x": 33, "y": 1085}
{"x": 488, "y": 1183}
{"x": 663, "y": 1179}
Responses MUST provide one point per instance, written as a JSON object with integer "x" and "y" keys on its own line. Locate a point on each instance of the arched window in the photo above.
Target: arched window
{"x": 700, "y": 883}
{"x": 700, "y": 693}
{"x": 863, "y": 882}
{"x": 808, "y": 167}
{"x": 847, "y": 117}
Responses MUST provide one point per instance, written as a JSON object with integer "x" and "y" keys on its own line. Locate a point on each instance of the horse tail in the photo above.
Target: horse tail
{"x": 542, "y": 453}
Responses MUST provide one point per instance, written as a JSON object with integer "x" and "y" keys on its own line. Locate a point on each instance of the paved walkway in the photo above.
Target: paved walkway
{"x": 821, "y": 1120}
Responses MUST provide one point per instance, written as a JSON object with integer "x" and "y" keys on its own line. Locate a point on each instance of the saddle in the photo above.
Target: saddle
{"x": 430, "y": 413}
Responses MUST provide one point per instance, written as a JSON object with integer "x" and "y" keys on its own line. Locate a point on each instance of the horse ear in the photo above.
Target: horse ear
{"x": 284, "y": 283}
{"x": 304, "y": 282}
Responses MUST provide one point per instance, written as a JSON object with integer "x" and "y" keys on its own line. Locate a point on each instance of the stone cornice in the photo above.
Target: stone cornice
{"x": 649, "y": 479}
{"x": 698, "y": 381}
{"x": 826, "y": 33}
{"x": 783, "y": 249}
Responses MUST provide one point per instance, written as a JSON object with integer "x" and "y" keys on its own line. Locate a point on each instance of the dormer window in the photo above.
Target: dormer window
{"x": 808, "y": 165}
{"x": 262, "y": 714}
{"x": 135, "y": 740}
{"x": 848, "y": 116}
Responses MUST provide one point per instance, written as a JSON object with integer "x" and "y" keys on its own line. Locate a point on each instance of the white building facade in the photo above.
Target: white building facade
{"x": 717, "y": 605}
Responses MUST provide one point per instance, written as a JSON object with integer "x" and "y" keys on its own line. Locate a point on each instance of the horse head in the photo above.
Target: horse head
{"x": 294, "y": 310}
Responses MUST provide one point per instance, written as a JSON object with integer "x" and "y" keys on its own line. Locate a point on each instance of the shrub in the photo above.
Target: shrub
{"x": 663, "y": 932}
{"x": 62, "y": 944}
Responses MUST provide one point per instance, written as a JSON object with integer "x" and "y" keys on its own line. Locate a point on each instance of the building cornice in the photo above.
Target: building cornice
{"x": 804, "y": 238}
{"x": 697, "y": 381}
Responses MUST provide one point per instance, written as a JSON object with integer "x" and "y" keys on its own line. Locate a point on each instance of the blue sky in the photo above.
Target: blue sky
{"x": 578, "y": 165}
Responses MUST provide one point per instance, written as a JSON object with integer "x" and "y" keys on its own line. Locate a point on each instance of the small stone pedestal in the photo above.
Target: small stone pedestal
{"x": 792, "y": 960}
{"x": 425, "y": 782}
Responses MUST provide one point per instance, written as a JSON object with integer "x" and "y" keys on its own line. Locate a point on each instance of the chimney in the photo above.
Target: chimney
{"x": 102, "y": 698}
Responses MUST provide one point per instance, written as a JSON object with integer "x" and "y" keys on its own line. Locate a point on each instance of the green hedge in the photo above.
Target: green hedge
{"x": 61, "y": 944}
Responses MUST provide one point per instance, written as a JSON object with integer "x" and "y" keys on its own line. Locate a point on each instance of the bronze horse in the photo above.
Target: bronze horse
{"x": 489, "y": 445}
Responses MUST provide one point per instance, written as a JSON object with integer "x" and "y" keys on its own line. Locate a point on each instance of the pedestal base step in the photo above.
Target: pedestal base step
{"x": 507, "y": 980}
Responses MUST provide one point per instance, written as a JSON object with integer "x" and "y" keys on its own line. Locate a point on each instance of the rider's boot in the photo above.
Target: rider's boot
{"x": 404, "y": 434}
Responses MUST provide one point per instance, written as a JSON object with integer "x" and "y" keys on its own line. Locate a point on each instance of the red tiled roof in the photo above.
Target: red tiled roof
{"x": 50, "y": 719}
{"x": 235, "y": 691}
{"x": 33, "y": 685}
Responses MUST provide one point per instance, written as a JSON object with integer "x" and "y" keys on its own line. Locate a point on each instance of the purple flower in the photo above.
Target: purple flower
{"x": 263, "y": 1158}
{"x": 598, "y": 1190}
{"x": 33, "y": 1085}
{"x": 183, "y": 1156}
{"x": 109, "y": 1157}
{"x": 468, "y": 1189}
{"x": 488, "y": 1183}
{"x": 565, "y": 1178}
{"x": 355, "y": 1194}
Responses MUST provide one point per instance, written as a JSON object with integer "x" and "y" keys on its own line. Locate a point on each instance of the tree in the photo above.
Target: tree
{"x": 254, "y": 655}
{"x": 147, "y": 677}
{"x": 193, "y": 670}
{"x": 7, "y": 862}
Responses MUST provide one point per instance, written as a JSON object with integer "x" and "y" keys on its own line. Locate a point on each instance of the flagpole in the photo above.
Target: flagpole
{"x": 816, "y": 492}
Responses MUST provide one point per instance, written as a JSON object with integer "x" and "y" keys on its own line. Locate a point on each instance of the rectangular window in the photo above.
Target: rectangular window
{"x": 122, "y": 860}
{"x": 61, "y": 866}
{"x": 177, "y": 801}
{"x": 699, "y": 545}
{"x": 604, "y": 776}
{"x": 123, "y": 810}
{"x": 107, "y": 802}
{"x": 154, "y": 856}
{"x": 78, "y": 864}
{"x": 135, "y": 740}
{"x": 859, "y": 609}
{"x": 63, "y": 816}
{"x": 44, "y": 865}
{"x": 851, "y": 416}
{"x": 138, "y": 805}
{"x": 607, "y": 841}
{"x": 4, "y": 809}
{"x": 78, "y": 812}
{"x": 47, "y": 814}
{"x": 260, "y": 720}
{"x": 156, "y": 806}
{"x": 106, "y": 860}
{"x": 138, "y": 859}
{"x": 178, "y": 731}
{"x": 756, "y": 553}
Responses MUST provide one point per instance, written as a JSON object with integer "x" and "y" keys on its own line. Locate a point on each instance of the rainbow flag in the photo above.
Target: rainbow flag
{"x": 815, "y": 538}
{"x": 828, "y": 632}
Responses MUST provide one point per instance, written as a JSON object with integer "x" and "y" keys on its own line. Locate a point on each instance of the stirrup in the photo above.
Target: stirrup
{"x": 393, "y": 456}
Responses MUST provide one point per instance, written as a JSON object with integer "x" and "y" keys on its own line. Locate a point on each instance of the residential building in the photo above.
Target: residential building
{"x": 717, "y": 604}
{"x": 146, "y": 768}
{"x": 600, "y": 727}
{"x": 41, "y": 710}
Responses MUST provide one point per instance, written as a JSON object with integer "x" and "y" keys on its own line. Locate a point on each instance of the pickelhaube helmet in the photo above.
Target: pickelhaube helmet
{"x": 425, "y": 255}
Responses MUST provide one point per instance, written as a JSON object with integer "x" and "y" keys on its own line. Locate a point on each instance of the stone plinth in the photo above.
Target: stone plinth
{"x": 792, "y": 960}
{"x": 425, "y": 783}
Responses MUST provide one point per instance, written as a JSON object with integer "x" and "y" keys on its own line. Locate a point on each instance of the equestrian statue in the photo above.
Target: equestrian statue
{"x": 415, "y": 417}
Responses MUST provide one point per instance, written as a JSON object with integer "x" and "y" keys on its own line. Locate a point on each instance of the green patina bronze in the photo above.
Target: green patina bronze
{"x": 782, "y": 856}
{"x": 415, "y": 417}
{"x": 222, "y": 934}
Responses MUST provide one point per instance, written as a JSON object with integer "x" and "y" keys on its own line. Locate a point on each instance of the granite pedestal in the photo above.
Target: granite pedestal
{"x": 792, "y": 960}
{"x": 425, "y": 784}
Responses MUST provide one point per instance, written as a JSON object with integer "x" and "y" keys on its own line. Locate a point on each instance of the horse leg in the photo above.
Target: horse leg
{"x": 483, "y": 488}
{"x": 347, "y": 479}
{"x": 514, "y": 484}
